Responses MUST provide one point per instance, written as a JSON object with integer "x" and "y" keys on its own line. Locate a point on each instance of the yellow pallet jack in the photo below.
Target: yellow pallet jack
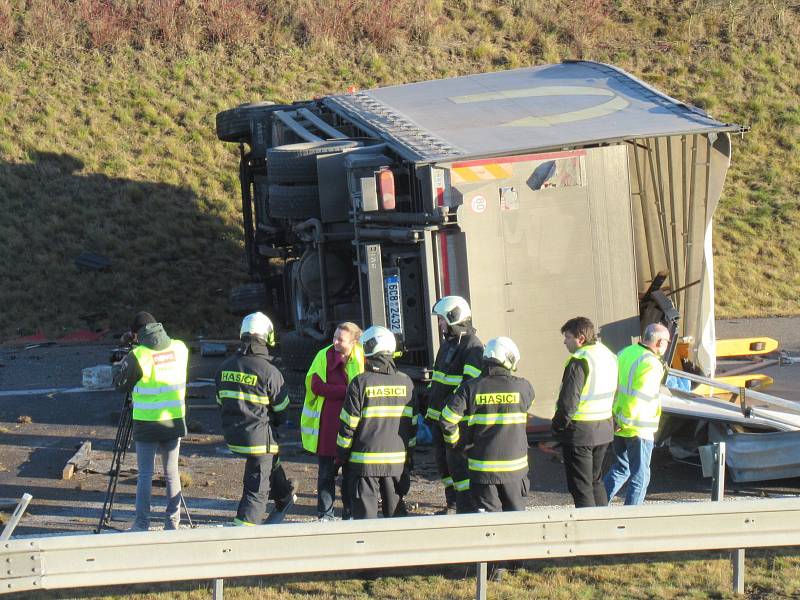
{"x": 741, "y": 377}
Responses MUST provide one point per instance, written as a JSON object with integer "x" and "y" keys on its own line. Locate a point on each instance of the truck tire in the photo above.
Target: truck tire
{"x": 297, "y": 350}
{"x": 233, "y": 125}
{"x": 297, "y": 163}
{"x": 247, "y": 298}
{"x": 294, "y": 201}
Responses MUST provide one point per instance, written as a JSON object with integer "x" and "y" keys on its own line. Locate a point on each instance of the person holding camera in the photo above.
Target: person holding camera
{"x": 154, "y": 374}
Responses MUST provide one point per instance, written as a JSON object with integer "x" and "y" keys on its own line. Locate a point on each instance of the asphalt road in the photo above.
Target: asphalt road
{"x": 40, "y": 431}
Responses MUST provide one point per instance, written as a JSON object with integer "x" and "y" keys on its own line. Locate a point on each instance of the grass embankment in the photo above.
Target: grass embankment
{"x": 769, "y": 574}
{"x": 107, "y": 139}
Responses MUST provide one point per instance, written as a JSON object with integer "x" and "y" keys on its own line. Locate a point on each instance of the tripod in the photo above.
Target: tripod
{"x": 121, "y": 444}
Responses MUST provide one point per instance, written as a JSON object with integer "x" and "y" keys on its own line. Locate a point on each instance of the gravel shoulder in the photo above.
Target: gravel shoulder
{"x": 39, "y": 432}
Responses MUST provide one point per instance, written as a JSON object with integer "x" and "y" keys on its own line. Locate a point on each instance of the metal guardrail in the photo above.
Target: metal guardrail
{"x": 743, "y": 393}
{"x": 71, "y": 561}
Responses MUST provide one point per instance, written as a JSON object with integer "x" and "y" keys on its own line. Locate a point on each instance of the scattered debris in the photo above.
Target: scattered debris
{"x": 80, "y": 460}
{"x": 99, "y": 376}
{"x": 24, "y": 420}
{"x": 89, "y": 261}
{"x": 186, "y": 479}
{"x": 212, "y": 349}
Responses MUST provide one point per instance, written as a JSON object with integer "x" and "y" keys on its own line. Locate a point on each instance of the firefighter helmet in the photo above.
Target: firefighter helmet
{"x": 378, "y": 340}
{"x": 453, "y": 309}
{"x": 258, "y": 325}
{"x": 503, "y": 351}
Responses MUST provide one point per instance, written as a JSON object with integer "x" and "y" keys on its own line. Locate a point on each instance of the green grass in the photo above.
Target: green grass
{"x": 773, "y": 574}
{"x": 109, "y": 146}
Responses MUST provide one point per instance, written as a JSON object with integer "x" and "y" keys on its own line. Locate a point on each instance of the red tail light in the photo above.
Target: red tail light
{"x": 386, "y": 189}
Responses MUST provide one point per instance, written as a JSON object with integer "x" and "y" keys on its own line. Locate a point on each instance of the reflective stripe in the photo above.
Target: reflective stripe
{"x": 471, "y": 371}
{"x": 155, "y": 405}
{"x": 261, "y": 449}
{"x": 378, "y": 458}
{"x": 309, "y": 430}
{"x": 155, "y": 391}
{"x": 637, "y": 422}
{"x": 445, "y": 379}
{"x": 311, "y": 414}
{"x": 461, "y": 486}
{"x": 498, "y": 466}
{"x": 282, "y": 405}
{"x": 348, "y": 419}
{"x": 412, "y": 442}
{"x": 450, "y": 416}
{"x": 238, "y": 521}
{"x": 432, "y": 414}
{"x": 253, "y": 398}
{"x": 639, "y": 394}
{"x": 385, "y": 411}
{"x": 451, "y": 438}
{"x": 499, "y": 419}
{"x": 447, "y": 481}
{"x": 344, "y": 442}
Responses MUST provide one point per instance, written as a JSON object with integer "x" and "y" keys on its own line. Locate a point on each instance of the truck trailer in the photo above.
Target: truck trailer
{"x": 538, "y": 194}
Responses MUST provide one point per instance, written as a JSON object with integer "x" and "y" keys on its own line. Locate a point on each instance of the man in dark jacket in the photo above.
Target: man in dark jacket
{"x": 377, "y": 432}
{"x": 154, "y": 374}
{"x": 582, "y": 422}
{"x": 253, "y": 399}
{"x": 495, "y": 406}
{"x": 459, "y": 359}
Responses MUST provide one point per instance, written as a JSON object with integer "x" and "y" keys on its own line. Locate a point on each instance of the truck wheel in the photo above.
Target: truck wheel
{"x": 247, "y": 298}
{"x": 297, "y": 163}
{"x": 297, "y": 350}
{"x": 233, "y": 125}
{"x": 293, "y": 201}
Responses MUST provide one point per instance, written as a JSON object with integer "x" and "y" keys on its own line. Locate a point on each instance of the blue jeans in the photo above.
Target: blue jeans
{"x": 145, "y": 459}
{"x": 632, "y": 465}
{"x": 326, "y": 487}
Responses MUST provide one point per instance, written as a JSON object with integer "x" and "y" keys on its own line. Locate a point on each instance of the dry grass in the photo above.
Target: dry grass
{"x": 700, "y": 576}
{"x": 107, "y": 135}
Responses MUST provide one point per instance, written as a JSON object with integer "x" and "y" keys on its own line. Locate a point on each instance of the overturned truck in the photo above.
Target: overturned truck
{"x": 538, "y": 194}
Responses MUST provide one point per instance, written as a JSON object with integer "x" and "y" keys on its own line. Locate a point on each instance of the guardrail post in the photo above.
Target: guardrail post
{"x": 218, "y": 592}
{"x": 718, "y": 493}
{"x": 16, "y": 516}
{"x": 480, "y": 586}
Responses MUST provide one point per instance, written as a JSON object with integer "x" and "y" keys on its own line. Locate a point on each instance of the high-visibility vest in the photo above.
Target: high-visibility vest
{"x": 597, "y": 395}
{"x": 637, "y": 405}
{"x": 312, "y": 405}
{"x": 159, "y": 394}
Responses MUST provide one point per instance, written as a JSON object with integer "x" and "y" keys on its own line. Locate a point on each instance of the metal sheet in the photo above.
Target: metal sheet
{"x": 762, "y": 456}
{"x": 572, "y": 104}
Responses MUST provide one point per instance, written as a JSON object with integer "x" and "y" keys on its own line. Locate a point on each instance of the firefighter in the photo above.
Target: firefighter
{"x": 253, "y": 399}
{"x": 494, "y": 407}
{"x": 154, "y": 373}
{"x": 459, "y": 358}
{"x": 378, "y": 427}
{"x": 582, "y": 422}
{"x": 637, "y": 410}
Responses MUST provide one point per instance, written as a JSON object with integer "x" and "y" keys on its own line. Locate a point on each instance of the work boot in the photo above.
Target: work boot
{"x": 290, "y": 498}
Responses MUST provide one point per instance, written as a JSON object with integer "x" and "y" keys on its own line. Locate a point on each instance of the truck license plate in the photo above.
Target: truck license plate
{"x": 394, "y": 308}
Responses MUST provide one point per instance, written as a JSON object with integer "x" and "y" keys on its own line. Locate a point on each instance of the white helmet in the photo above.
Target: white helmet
{"x": 453, "y": 309}
{"x": 378, "y": 340}
{"x": 258, "y": 325}
{"x": 503, "y": 351}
